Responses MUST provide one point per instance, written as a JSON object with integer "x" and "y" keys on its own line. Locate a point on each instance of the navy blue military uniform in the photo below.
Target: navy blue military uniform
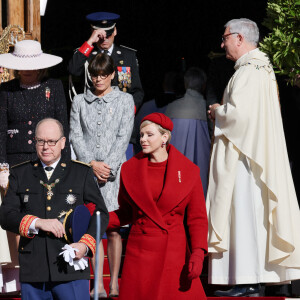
{"x": 122, "y": 57}
{"x": 74, "y": 185}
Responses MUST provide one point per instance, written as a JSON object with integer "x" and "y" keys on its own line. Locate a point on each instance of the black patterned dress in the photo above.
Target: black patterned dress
{"x": 20, "y": 111}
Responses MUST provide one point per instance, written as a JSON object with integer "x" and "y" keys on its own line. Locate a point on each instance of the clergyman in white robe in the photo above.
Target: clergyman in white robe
{"x": 253, "y": 213}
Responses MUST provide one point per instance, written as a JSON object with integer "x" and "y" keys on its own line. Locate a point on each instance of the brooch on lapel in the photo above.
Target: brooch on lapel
{"x": 47, "y": 93}
{"x": 71, "y": 199}
{"x": 63, "y": 165}
{"x": 179, "y": 176}
{"x": 119, "y": 52}
{"x": 121, "y": 62}
{"x": 12, "y": 132}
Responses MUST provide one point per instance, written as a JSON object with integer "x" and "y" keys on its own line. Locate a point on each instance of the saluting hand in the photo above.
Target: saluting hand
{"x": 96, "y": 36}
{"x": 51, "y": 225}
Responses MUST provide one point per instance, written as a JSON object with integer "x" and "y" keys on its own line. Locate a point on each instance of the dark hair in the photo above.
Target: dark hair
{"x": 101, "y": 64}
{"x": 195, "y": 79}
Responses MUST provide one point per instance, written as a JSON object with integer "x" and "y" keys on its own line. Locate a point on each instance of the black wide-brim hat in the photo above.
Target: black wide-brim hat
{"x": 103, "y": 20}
{"x": 76, "y": 223}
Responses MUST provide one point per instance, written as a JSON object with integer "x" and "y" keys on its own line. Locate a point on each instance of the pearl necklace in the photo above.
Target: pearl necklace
{"x": 30, "y": 86}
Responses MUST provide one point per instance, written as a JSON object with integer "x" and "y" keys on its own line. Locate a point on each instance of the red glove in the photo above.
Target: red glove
{"x": 196, "y": 264}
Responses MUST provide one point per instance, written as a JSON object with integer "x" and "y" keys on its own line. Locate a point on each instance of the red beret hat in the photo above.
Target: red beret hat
{"x": 160, "y": 119}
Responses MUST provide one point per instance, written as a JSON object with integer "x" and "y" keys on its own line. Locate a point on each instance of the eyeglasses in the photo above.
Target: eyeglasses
{"x": 95, "y": 77}
{"x": 52, "y": 143}
{"x": 224, "y": 36}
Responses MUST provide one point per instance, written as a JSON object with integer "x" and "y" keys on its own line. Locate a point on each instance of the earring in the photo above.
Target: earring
{"x": 163, "y": 144}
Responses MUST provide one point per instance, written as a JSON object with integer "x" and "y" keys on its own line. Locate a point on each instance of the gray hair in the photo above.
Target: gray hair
{"x": 61, "y": 129}
{"x": 246, "y": 28}
{"x": 195, "y": 78}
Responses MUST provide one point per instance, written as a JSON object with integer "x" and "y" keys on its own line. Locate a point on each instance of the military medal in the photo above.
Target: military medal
{"x": 71, "y": 199}
{"x": 49, "y": 188}
{"x": 124, "y": 77}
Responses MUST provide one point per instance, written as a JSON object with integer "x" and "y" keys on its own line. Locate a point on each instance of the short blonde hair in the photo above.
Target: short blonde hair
{"x": 160, "y": 129}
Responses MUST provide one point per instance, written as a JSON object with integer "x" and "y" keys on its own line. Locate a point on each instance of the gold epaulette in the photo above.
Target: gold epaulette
{"x": 81, "y": 162}
{"x": 20, "y": 164}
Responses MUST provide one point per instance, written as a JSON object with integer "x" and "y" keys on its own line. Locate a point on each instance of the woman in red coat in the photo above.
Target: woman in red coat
{"x": 160, "y": 188}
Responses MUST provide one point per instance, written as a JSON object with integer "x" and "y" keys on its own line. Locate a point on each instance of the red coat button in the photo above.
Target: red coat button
{"x": 172, "y": 213}
{"x": 140, "y": 212}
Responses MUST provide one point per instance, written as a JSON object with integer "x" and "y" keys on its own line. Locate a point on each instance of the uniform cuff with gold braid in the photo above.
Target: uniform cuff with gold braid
{"x": 89, "y": 241}
{"x": 86, "y": 49}
{"x": 24, "y": 226}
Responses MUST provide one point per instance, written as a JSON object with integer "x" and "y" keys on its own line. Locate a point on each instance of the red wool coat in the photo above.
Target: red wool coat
{"x": 157, "y": 253}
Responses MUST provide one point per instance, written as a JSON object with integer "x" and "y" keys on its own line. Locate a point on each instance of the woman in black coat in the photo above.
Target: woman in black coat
{"x": 26, "y": 100}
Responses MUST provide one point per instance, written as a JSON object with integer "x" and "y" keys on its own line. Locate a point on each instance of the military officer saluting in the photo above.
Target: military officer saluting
{"x": 39, "y": 193}
{"x": 127, "y": 76}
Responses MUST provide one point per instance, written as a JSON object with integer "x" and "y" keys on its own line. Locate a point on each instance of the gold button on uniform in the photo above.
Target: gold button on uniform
{"x": 70, "y": 190}
{"x": 27, "y": 190}
{"x": 48, "y": 208}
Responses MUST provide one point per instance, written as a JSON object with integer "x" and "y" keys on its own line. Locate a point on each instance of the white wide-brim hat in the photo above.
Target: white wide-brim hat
{"x": 28, "y": 55}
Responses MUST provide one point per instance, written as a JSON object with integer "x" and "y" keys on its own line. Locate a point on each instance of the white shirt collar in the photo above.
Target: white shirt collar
{"x": 110, "y": 50}
{"x": 52, "y": 165}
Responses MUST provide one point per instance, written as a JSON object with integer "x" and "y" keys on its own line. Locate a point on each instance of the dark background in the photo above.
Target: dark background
{"x": 163, "y": 31}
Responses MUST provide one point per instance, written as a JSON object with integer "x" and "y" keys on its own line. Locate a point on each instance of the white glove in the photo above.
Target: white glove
{"x": 81, "y": 264}
{"x": 4, "y": 178}
{"x": 69, "y": 255}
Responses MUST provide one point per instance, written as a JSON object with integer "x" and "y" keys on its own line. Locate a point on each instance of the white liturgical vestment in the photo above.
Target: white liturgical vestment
{"x": 253, "y": 213}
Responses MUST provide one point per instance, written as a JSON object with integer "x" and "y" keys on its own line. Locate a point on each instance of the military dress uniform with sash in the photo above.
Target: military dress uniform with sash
{"x": 31, "y": 195}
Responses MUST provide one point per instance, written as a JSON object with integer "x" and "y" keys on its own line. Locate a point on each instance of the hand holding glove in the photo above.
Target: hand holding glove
{"x": 69, "y": 256}
{"x": 196, "y": 264}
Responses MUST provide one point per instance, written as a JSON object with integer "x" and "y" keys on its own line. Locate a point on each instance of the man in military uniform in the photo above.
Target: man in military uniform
{"x": 39, "y": 192}
{"x": 104, "y": 31}
{"x": 127, "y": 76}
